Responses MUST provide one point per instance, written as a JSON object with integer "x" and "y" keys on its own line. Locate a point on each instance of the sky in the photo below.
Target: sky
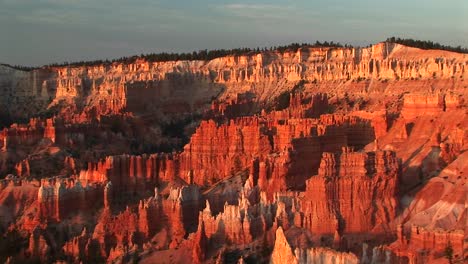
{"x": 38, "y": 32}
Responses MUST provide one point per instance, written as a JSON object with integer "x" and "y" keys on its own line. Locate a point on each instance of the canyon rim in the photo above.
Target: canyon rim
{"x": 315, "y": 152}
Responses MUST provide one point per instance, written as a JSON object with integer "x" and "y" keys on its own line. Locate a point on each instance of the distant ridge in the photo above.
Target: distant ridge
{"x": 207, "y": 55}
{"x": 426, "y": 44}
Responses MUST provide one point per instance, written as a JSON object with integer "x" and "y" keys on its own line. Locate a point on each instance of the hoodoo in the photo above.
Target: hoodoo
{"x": 303, "y": 155}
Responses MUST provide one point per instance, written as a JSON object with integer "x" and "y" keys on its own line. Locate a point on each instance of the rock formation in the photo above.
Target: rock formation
{"x": 315, "y": 155}
{"x": 283, "y": 253}
{"x": 353, "y": 194}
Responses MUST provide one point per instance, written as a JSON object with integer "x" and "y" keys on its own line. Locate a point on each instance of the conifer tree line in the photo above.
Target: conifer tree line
{"x": 206, "y": 55}
{"x": 19, "y": 67}
{"x": 426, "y": 44}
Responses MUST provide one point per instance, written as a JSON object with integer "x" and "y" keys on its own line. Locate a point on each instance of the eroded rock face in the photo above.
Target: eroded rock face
{"x": 283, "y": 253}
{"x": 57, "y": 198}
{"x": 126, "y": 173}
{"x": 427, "y": 104}
{"x": 136, "y": 87}
{"x": 354, "y": 195}
{"x": 293, "y": 157}
{"x": 24, "y": 94}
{"x": 214, "y": 151}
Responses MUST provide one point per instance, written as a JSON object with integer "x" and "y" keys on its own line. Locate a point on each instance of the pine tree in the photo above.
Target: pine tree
{"x": 448, "y": 252}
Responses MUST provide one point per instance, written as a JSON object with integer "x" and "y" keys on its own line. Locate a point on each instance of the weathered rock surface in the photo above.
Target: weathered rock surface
{"x": 354, "y": 194}
{"x": 135, "y": 87}
{"x": 293, "y": 157}
{"x": 283, "y": 253}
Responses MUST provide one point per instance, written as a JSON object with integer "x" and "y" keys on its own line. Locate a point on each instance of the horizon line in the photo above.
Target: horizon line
{"x": 244, "y": 50}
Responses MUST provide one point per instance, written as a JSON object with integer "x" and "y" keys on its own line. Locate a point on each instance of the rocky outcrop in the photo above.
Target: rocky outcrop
{"x": 200, "y": 243}
{"x": 24, "y": 94}
{"x": 78, "y": 247}
{"x": 49, "y": 130}
{"x": 415, "y": 105}
{"x": 379, "y": 120}
{"x": 215, "y": 152}
{"x": 421, "y": 245}
{"x": 133, "y": 226}
{"x": 232, "y": 224}
{"x": 284, "y": 253}
{"x": 135, "y": 87}
{"x": 178, "y": 209}
{"x": 325, "y": 255}
{"x": 59, "y": 198}
{"x": 346, "y": 182}
{"x": 25, "y": 134}
{"x": 298, "y": 152}
{"x": 138, "y": 86}
{"x": 38, "y": 246}
{"x": 244, "y": 104}
{"x": 129, "y": 174}
{"x": 435, "y": 219}
{"x": 301, "y": 105}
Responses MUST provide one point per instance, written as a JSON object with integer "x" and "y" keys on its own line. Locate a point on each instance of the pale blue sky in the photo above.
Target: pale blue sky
{"x": 36, "y": 32}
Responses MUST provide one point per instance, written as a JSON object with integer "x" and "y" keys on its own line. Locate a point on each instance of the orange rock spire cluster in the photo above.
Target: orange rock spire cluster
{"x": 320, "y": 155}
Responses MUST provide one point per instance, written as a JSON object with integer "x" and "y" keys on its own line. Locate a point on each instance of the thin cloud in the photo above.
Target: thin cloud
{"x": 266, "y": 12}
{"x": 86, "y": 14}
{"x": 256, "y": 7}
